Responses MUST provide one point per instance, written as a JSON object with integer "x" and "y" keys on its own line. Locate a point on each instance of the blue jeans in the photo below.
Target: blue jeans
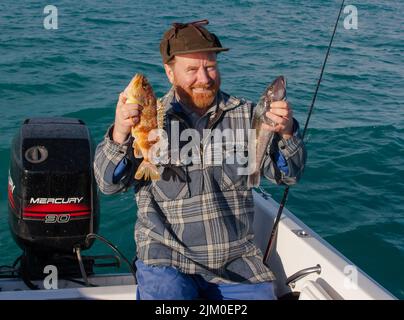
{"x": 167, "y": 283}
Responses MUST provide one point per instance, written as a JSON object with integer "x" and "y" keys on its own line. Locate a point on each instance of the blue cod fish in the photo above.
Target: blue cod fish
{"x": 276, "y": 91}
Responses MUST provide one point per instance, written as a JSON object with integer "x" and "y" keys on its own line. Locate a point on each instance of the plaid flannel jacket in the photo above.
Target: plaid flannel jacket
{"x": 198, "y": 218}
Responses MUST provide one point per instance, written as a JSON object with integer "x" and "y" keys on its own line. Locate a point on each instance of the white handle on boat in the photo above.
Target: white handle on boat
{"x": 301, "y": 274}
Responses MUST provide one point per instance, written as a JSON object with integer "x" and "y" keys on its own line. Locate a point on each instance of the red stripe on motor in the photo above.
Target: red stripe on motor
{"x": 52, "y": 207}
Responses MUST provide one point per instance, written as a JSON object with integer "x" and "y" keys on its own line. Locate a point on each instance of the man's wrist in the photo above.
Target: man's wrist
{"x": 292, "y": 131}
{"x": 118, "y": 137}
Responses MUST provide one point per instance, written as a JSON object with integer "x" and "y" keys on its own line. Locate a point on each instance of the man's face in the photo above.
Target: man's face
{"x": 196, "y": 78}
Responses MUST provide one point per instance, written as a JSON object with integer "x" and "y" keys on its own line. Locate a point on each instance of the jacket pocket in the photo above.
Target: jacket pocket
{"x": 234, "y": 168}
{"x": 173, "y": 184}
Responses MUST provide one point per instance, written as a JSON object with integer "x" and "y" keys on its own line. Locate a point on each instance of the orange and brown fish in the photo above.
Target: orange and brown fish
{"x": 141, "y": 92}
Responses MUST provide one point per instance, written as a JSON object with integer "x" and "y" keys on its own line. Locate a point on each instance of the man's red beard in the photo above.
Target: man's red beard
{"x": 198, "y": 100}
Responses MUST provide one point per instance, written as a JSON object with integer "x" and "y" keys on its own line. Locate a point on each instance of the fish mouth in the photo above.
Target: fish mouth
{"x": 277, "y": 89}
{"x": 139, "y": 80}
{"x": 280, "y": 82}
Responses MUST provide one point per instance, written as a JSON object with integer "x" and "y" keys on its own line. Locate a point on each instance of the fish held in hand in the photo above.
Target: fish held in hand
{"x": 140, "y": 91}
{"x": 276, "y": 91}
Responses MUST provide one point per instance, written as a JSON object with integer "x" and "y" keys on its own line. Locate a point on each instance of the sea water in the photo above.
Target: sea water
{"x": 352, "y": 189}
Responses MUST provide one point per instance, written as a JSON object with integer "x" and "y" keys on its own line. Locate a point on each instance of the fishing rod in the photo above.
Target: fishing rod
{"x": 285, "y": 193}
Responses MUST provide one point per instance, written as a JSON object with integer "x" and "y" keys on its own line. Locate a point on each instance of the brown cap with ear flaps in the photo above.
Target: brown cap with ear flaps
{"x": 189, "y": 37}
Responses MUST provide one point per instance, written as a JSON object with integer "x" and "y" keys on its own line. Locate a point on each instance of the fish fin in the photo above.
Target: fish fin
{"x": 136, "y": 150}
{"x": 254, "y": 179}
{"x": 147, "y": 171}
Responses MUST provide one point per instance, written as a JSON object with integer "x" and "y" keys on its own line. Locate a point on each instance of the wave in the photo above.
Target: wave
{"x": 29, "y": 88}
{"x": 106, "y": 21}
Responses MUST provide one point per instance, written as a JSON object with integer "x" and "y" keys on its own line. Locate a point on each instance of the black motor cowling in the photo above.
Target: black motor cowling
{"x": 52, "y": 193}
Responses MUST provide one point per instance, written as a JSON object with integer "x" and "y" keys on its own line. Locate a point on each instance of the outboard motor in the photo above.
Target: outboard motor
{"x": 52, "y": 195}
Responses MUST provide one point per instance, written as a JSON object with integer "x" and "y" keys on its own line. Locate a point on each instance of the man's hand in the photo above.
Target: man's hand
{"x": 126, "y": 116}
{"x": 281, "y": 114}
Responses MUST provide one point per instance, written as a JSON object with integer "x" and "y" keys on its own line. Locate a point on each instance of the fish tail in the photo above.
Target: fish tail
{"x": 254, "y": 180}
{"x": 147, "y": 171}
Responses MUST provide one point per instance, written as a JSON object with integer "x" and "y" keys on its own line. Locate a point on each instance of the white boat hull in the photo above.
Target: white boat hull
{"x": 338, "y": 278}
{"x": 298, "y": 247}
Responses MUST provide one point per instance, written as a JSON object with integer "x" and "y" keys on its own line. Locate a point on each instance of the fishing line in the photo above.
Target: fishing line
{"x": 285, "y": 194}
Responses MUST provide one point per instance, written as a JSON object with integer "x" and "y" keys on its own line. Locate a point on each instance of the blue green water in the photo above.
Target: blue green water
{"x": 352, "y": 190}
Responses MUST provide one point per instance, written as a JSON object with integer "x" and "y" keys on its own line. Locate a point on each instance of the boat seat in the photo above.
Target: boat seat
{"x": 312, "y": 290}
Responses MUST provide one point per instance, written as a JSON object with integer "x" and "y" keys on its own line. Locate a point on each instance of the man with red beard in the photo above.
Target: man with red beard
{"x": 193, "y": 233}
